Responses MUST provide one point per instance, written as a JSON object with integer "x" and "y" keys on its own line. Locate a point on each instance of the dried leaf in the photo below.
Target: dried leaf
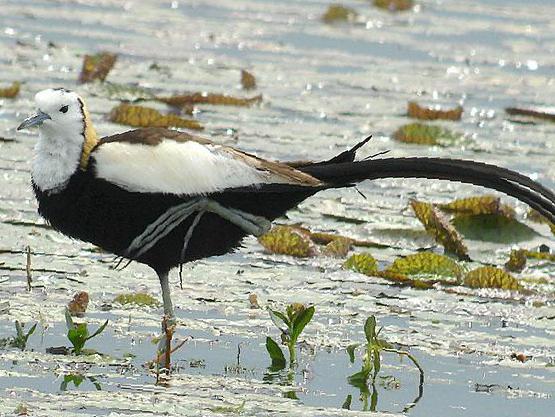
{"x": 423, "y": 134}
{"x": 97, "y": 67}
{"x": 208, "y": 98}
{"x": 394, "y": 5}
{"x": 12, "y": 91}
{"x": 486, "y": 204}
{"x": 78, "y": 305}
{"x": 429, "y": 113}
{"x": 338, "y": 248}
{"x": 248, "y": 82}
{"x": 437, "y": 226}
{"x": 491, "y": 277}
{"x": 517, "y": 260}
{"x": 338, "y": 13}
{"x": 427, "y": 263}
{"x": 363, "y": 263}
{"x": 139, "y": 116}
{"x": 288, "y": 240}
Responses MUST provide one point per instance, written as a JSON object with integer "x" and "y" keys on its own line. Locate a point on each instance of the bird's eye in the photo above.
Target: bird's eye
{"x": 64, "y": 109}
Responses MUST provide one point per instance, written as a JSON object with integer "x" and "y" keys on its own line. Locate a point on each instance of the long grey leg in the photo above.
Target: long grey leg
{"x": 166, "y": 295}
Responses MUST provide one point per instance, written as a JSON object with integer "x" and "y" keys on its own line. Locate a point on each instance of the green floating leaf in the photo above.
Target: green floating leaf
{"x": 439, "y": 227}
{"x": 140, "y": 116}
{"x": 491, "y": 277}
{"x": 426, "y": 263}
{"x": 485, "y": 204}
{"x": 288, "y": 240}
{"x": 139, "y": 299}
{"x": 276, "y": 354}
{"x": 493, "y": 228}
{"x": 423, "y": 134}
{"x": 364, "y": 263}
{"x": 517, "y": 260}
{"x": 338, "y": 13}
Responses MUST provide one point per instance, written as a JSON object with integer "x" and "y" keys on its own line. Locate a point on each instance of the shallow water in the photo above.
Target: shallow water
{"x": 324, "y": 88}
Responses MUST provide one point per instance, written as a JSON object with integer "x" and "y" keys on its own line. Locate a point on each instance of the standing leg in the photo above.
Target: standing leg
{"x": 168, "y": 321}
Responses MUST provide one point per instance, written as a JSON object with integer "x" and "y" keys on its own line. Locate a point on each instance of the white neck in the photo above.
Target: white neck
{"x": 56, "y": 159}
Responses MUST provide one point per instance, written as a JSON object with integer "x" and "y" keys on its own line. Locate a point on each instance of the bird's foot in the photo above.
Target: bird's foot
{"x": 169, "y": 324}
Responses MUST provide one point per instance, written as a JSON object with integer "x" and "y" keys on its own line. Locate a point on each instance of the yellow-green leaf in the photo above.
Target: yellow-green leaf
{"x": 485, "y": 204}
{"x": 491, "y": 277}
{"x": 424, "y": 134}
{"x": 339, "y": 13}
{"x": 139, "y": 116}
{"x": 426, "y": 263}
{"x": 97, "y": 67}
{"x": 288, "y": 240}
{"x": 363, "y": 263}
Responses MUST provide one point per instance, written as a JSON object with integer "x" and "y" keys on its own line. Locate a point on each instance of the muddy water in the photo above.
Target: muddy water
{"x": 324, "y": 88}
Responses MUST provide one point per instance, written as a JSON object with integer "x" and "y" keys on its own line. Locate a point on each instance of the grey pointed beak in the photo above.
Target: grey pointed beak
{"x": 35, "y": 120}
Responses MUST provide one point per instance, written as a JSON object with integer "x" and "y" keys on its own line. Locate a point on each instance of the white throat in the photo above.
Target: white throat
{"x": 56, "y": 159}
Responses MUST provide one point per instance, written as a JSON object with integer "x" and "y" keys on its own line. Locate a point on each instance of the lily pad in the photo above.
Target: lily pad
{"x": 491, "y": 277}
{"x": 208, "y": 98}
{"x": 493, "y": 228}
{"x": 12, "y": 91}
{"x": 288, "y": 240}
{"x": 440, "y": 229}
{"x": 339, "y": 13}
{"x": 426, "y": 263}
{"x": 139, "y": 116}
{"x": 364, "y": 263}
{"x": 394, "y": 5}
{"x": 486, "y": 204}
{"x": 97, "y": 67}
{"x": 417, "y": 111}
{"x": 139, "y": 299}
{"x": 425, "y": 134}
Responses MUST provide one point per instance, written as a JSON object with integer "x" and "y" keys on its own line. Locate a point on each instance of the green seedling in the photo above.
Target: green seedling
{"x": 77, "y": 379}
{"x": 295, "y": 319}
{"x": 20, "y": 339}
{"x": 371, "y": 363}
{"x": 78, "y": 333}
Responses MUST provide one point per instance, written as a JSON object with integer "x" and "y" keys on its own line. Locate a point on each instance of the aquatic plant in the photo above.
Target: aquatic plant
{"x": 12, "y": 91}
{"x": 424, "y": 134}
{"x": 78, "y": 333}
{"x": 139, "y": 299}
{"x": 491, "y": 277}
{"x": 77, "y": 379}
{"x": 394, "y": 5}
{"x": 20, "y": 339}
{"x": 295, "y": 318}
{"x": 417, "y": 111}
{"x": 364, "y": 263}
{"x": 97, "y": 67}
{"x": 426, "y": 263}
{"x": 288, "y": 240}
{"x": 338, "y": 13}
{"x": 140, "y": 116}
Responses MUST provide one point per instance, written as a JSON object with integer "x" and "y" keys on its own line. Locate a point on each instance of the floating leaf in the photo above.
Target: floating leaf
{"x": 78, "y": 305}
{"x": 537, "y": 112}
{"x": 430, "y": 113}
{"x": 139, "y": 299}
{"x": 394, "y": 5}
{"x": 426, "y": 263}
{"x": 423, "y": 134}
{"x": 493, "y": 228}
{"x": 536, "y": 217}
{"x": 517, "y": 260}
{"x": 209, "y": 98}
{"x": 12, "y": 91}
{"x": 363, "y": 263}
{"x": 485, "y": 204}
{"x": 248, "y": 82}
{"x": 438, "y": 227}
{"x": 288, "y": 240}
{"x": 139, "y": 116}
{"x": 121, "y": 92}
{"x": 97, "y": 67}
{"x": 405, "y": 281}
{"x": 338, "y": 248}
{"x": 339, "y": 13}
{"x": 491, "y": 277}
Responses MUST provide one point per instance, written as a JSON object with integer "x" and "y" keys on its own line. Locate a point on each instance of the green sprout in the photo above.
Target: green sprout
{"x": 78, "y": 333}
{"x": 77, "y": 379}
{"x": 20, "y": 339}
{"x": 295, "y": 318}
{"x": 371, "y": 363}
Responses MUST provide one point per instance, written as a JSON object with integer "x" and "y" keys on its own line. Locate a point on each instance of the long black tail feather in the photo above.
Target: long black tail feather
{"x": 501, "y": 179}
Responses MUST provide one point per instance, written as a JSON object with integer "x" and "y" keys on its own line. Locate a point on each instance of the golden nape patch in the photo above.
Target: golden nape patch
{"x": 91, "y": 139}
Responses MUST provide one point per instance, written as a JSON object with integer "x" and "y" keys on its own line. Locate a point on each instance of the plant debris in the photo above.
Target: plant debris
{"x": 537, "y": 112}
{"x": 491, "y": 277}
{"x": 208, "y": 98}
{"x": 139, "y": 116}
{"x": 440, "y": 228}
{"x": 97, "y": 67}
{"x": 339, "y": 13}
{"x": 425, "y": 134}
{"x": 248, "y": 82}
{"x": 338, "y": 248}
{"x": 287, "y": 240}
{"x": 78, "y": 305}
{"x": 139, "y": 299}
{"x": 394, "y": 5}
{"x": 12, "y": 91}
{"x": 431, "y": 113}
